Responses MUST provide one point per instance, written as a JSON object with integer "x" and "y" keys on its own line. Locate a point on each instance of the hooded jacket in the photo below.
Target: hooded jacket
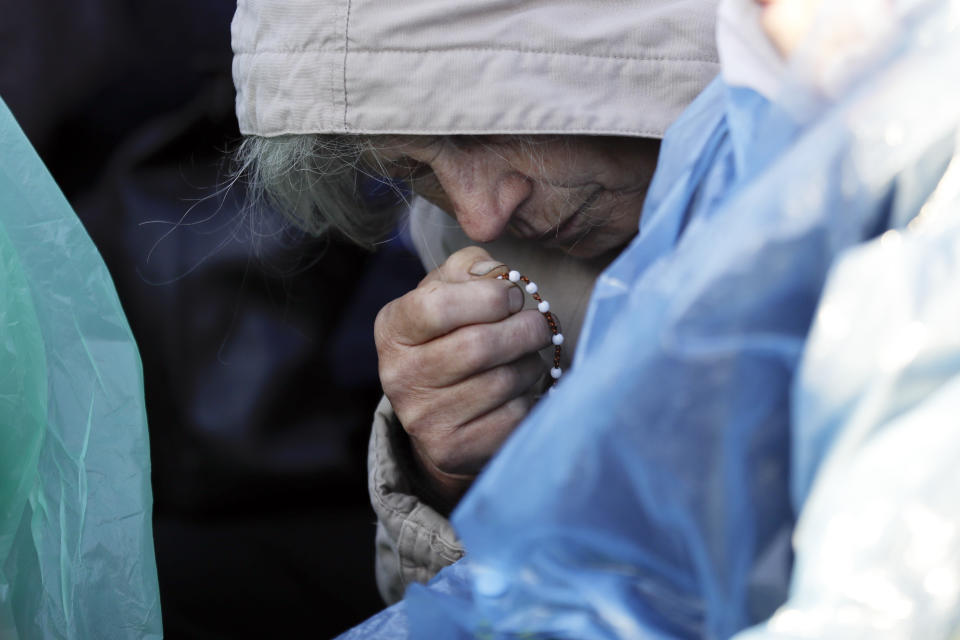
{"x": 479, "y": 67}
{"x": 485, "y": 66}
{"x": 778, "y": 341}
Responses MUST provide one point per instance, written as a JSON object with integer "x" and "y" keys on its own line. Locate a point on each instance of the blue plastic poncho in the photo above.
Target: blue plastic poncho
{"x": 76, "y": 544}
{"x": 654, "y": 495}
{"x": 876, "y": 444}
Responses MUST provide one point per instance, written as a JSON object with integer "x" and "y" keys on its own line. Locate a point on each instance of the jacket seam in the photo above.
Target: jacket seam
{"x": 409, "y": 524}
{"x": 547, "y": 52}
{"x": 346, "y": 50}
{"x": 418, "y": 531}
{"x": 378, "y": 494}
{"x": 649, "y": 133}
{"x": 379, "y": 477}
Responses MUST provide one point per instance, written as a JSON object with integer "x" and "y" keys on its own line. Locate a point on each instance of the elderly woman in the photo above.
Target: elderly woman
{"x": 778, "y": 342}
{"x": 760, "y": 427}
{"x": 534, "y": 126}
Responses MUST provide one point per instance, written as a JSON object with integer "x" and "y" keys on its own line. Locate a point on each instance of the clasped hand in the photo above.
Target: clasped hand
{"x": 458, "y": 361}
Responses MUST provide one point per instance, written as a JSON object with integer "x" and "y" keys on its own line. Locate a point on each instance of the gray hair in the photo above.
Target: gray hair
{"x": 323, "y": 182}
{"x": 316, "y": 181}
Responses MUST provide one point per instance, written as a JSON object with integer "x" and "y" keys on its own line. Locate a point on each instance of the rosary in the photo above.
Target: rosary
{"x": 544, "y": 307}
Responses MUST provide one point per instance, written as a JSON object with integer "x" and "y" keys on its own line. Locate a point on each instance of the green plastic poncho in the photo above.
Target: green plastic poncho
{"x": 76, "y": 544}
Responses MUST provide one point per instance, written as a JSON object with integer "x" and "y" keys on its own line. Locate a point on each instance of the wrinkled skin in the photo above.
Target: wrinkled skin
{"x": 580, "y": 194}
{"x": 459, "y": 363}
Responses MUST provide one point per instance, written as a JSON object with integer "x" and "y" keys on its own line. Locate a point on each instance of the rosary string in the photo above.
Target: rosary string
{"x": 544, "y": 307}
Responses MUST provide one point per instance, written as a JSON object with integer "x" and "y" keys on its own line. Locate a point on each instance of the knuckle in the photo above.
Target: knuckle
{"x": 427, "y": 304}
{"x": 473, "y": 346}
{"x": 400, "y": 370}
{"x": 390, "y": 353}
{"x": 395, "y": 322}
{"x": 413, "y": 413}
{"x": 390, "y": 380}
{"x": 411, "y": 422}
{"x": 410, "y": 369}
{"x": 382, "y": 333}
{"x": 429, "y": 289}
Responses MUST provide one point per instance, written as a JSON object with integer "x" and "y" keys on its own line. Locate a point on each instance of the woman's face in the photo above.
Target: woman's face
{"x": 581, "y": 194}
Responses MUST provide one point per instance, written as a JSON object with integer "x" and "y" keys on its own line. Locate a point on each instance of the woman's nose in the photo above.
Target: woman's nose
{"x": 483, "y": 191}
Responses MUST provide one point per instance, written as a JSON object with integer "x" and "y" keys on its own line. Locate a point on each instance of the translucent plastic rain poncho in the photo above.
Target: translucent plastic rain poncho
{"x": 76, "y": 545}
{"x": 656, "y": 493}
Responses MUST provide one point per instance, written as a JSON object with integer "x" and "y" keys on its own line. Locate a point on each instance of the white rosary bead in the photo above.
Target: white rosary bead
{"x": 544, "y": 307}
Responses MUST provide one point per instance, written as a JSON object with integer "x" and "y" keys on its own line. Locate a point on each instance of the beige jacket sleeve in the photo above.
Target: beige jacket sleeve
{"x": 414, "y": 541}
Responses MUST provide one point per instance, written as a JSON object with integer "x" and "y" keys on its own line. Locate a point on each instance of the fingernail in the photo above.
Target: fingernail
{"x": 515, "y": 297}
{"x": 484, "y": 267}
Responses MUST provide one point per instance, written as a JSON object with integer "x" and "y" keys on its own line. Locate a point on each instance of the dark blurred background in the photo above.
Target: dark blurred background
{"x": 259, "y": 364}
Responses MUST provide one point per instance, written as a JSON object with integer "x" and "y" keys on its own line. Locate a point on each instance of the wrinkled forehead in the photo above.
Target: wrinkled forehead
{"x": 476, "y": 67}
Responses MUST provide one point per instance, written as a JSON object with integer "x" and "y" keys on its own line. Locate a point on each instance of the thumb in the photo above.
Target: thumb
{"x": 470, "y": 263}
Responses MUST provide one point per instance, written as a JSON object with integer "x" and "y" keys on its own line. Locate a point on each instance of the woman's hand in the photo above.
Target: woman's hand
{"x": 459, "y": 363}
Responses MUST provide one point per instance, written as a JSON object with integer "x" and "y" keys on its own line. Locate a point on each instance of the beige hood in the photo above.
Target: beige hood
{"x": 469, "y": 67}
